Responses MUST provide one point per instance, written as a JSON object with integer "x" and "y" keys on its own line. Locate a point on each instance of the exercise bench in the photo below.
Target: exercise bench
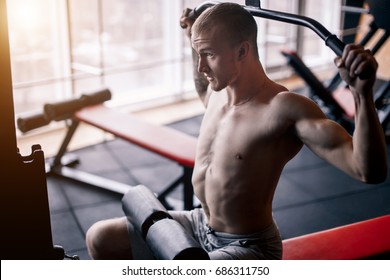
{"x": 369, "y": 239}
{"x": 162, "y": 140}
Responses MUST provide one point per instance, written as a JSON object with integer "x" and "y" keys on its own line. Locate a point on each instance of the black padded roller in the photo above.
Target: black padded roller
{"x": 168, "y": 240}
{"x": 28, "y": 123}
{"x": 143, "y": 207}
{"x": 65, "y": 109}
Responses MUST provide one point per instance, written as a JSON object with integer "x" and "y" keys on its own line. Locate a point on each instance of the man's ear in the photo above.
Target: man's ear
{"x": 243, "y": 50}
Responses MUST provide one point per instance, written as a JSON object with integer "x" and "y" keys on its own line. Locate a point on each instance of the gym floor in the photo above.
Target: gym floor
{"x": 311, "y": 195}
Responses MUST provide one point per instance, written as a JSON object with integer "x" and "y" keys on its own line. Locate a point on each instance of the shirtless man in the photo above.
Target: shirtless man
{"x": 251, "y": 128}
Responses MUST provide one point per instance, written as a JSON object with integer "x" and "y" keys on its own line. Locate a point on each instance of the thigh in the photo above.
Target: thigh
{"x": 264, "y": 245}
{"x": 233, "y": 252}
{"x": 252, "y": 252}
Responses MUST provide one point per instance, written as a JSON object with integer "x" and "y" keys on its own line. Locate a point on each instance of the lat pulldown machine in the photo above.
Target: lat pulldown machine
{"x": 337, "y": 111}
{"x": 335, "y": 99}
{"x": 254, "y": 7}
{"x": 157, "y": 221}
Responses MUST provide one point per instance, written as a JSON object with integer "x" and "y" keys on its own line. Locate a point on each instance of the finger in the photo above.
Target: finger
{"x": 186, "y": 12}
{"x": 363, "y": 63}
{"x": 358, "y": 60}
{"x": 183, "y": 24}
{"x": 361, "y": 67}
{"x": 363, "y": 58}
{"x": 367, "y": 69}
{"x": 354, "y": 59}
{"x": 185, "y": 21}
{"x": 350, "y": 56}
{"x": 351, "y": 47}
{"x": 339, "y": 62}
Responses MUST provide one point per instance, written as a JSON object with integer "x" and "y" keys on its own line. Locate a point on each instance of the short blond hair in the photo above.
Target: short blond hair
{"x": 236, "y": 22}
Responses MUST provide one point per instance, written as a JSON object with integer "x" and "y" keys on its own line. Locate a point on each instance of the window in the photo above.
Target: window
{"x": 61, "y": 49}
{"x": 37, "y": 54}
{"x": 138, "y": 53}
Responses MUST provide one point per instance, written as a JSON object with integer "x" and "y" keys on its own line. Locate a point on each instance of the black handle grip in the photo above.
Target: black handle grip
{"x": 28, "y": 123}
{"x": 335, "y": 44}
{"x": 65, "y": 109}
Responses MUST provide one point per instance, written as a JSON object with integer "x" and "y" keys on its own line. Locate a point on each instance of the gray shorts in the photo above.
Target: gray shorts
{"x": 266, "y": 244}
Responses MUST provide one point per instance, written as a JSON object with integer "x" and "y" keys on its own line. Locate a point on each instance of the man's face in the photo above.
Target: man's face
{"x": 217, "y": 58}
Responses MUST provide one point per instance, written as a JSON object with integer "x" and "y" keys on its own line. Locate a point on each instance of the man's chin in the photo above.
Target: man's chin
{"x": 216, "y": 87}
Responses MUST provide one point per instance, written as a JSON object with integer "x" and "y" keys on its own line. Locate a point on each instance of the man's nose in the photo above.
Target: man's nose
{"x": 202, "y": 65}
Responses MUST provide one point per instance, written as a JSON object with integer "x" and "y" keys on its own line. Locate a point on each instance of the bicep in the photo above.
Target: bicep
{"x": 322, "y": 135}
{"x": 328, "y": 139}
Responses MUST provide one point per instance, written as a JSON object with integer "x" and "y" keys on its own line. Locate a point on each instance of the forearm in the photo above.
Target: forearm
{"x": 201, "y": 83}
{"x": 369, "y": 146}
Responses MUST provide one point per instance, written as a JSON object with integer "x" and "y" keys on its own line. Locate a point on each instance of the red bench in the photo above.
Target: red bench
{"x": 165, "y": 141}
{"x": 368, "y": 239}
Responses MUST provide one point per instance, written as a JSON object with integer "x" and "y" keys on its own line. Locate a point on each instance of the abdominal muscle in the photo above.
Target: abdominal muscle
{"x": 235, "y": 199}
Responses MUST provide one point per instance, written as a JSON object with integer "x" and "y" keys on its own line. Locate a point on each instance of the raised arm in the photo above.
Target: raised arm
{"x": 364, "y": 155}
{"x": 201, "y": 83}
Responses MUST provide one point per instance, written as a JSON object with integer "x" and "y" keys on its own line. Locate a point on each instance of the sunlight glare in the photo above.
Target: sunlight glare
{"x": 26, "y": 14}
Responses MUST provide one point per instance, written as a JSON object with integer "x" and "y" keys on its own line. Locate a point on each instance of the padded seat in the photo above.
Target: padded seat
{"x": 368, "y": 239}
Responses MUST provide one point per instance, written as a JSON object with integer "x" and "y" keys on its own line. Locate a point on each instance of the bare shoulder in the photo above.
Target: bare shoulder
{"x": 295, "y": 106}
{"x": 311, "y": 125}
{"x": 288, "y": 97}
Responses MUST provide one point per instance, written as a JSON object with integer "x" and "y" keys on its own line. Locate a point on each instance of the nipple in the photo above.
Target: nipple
{"x": 238, "y": 156}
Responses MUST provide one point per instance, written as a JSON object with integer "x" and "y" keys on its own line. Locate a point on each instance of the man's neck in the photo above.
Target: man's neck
{"x": 249, "y": 84}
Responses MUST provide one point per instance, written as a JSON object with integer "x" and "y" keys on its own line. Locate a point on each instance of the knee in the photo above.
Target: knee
{"x": 96, "y": 238}
{"x": 107, "y": 240}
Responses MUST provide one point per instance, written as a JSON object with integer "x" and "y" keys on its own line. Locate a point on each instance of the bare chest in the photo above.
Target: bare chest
{"x": 238, "y": 134}
{"x": 232, "y": 147}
